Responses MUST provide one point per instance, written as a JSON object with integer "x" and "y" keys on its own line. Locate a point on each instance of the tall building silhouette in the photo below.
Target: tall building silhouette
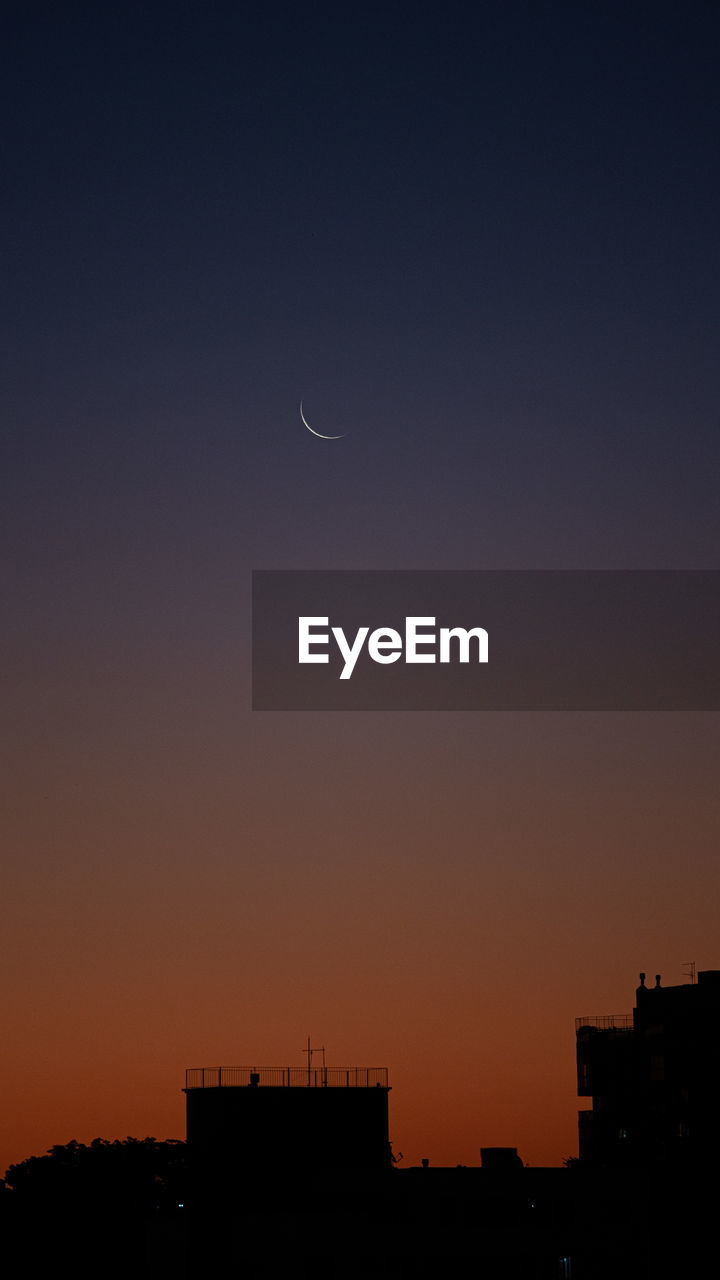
{"x": 653, "y": 1078}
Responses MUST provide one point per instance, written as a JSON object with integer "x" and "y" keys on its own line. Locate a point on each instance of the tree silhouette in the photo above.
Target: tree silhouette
{"x": 93, "y": 1203}
{"x": 131, "y": 1171}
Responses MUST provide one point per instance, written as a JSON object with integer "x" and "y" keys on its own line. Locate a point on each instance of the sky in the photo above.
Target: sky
{"x": 480, "y": 242}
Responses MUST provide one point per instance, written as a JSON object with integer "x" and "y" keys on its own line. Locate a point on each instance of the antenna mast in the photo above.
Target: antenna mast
{"x": 690, "y": 971}
{"x": 310, "y": 1051}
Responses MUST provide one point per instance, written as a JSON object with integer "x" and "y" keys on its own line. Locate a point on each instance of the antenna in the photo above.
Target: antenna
{"x": 690, "y": 971}
{"x": 310, "y": 1051}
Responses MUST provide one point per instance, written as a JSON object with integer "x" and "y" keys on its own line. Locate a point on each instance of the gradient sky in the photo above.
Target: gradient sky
{"x": 482, "y": 243}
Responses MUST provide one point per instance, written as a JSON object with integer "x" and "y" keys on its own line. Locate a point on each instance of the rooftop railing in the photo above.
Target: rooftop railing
{"x": 286, "y": 1077}
{"x": 607, "y": 1022}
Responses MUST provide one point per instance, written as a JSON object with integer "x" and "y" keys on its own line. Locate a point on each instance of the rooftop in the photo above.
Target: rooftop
{"x": 286, "y": 1077}
{"x": 606, "y": 1022}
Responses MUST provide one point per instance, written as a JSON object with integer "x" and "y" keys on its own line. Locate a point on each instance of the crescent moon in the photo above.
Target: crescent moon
{"x": 316, "y": 433}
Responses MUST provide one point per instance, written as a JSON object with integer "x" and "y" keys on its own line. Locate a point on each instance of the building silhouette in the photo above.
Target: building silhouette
{"x": 652, "y": 1076}
{"x": 289, "y": 1171}
{"x": 291, "y": 1168}
{"x": 292, "y": 1171}
{"x": 258, "y": 1121}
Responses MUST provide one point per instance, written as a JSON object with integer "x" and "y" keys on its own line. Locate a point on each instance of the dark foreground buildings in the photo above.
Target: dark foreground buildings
{"x": 293, "y": 1174}
{"x": 293, "y": 1170}
{"x": 654, "y": 1124}
{"x": 654, "y": 1077}
{"x": 289, "y": 1172}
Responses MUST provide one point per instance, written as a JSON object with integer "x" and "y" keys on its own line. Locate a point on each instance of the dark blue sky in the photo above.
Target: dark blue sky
{"x": 480, "y": 240}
